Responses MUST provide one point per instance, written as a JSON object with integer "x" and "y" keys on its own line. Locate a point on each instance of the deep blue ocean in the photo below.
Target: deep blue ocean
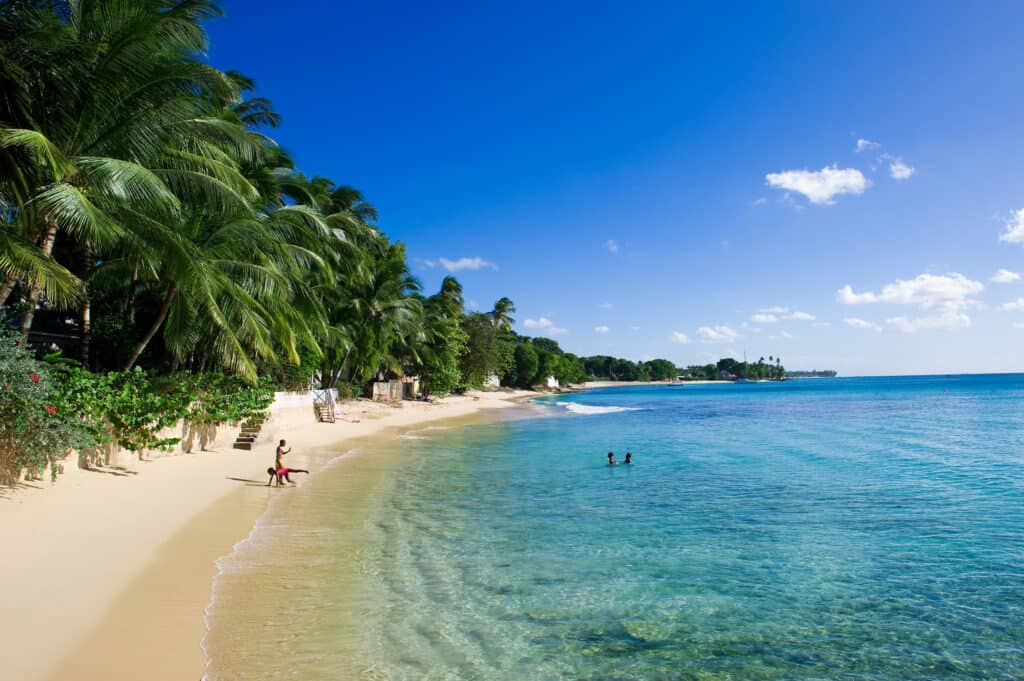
{"x": 863, "y": 528}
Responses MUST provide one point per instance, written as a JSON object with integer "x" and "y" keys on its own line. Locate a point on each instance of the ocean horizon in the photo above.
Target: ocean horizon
{"x": 856, "y": 527}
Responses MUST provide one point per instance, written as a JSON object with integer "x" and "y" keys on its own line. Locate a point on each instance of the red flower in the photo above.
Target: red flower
{"x": 35, "y": 378}
{"x": 51, "y": 410}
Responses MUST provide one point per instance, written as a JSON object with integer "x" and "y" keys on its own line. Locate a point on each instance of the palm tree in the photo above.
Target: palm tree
{"x": 501, "y": 315}
{"x": 100, "y": 90}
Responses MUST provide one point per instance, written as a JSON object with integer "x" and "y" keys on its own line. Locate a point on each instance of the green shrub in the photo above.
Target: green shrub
{"x": 36, "y": 429}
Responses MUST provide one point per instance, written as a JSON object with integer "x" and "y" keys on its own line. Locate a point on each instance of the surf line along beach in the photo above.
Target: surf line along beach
{"x": 109, "y": 573}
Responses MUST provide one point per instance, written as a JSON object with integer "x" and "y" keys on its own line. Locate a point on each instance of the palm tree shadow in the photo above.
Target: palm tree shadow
{"x": 251, "y": 483}
{"x": 112, "y": 470}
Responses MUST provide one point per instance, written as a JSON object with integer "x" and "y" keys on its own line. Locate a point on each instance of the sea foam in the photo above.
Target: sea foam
{"x": 590, "y": 409}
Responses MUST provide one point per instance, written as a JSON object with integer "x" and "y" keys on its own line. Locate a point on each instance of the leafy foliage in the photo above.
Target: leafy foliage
{"x": 35, "y": 432}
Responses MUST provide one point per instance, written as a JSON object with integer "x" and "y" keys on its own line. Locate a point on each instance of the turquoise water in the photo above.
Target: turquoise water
{"x": 824, "y": 529}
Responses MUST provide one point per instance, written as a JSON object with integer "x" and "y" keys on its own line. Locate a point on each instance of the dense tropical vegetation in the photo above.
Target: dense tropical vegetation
{"x": 153, "y": 233}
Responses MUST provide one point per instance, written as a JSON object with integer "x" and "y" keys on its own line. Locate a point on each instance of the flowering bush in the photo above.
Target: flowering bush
{"x": 46, "y": 410}
{"x": 34, "y": 432}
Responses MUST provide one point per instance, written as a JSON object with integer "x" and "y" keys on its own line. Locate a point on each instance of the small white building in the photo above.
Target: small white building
{"x": 552, "y": 382}
{"x": 492, "y": 382}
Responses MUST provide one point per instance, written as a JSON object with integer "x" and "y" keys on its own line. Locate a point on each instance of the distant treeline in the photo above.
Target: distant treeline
{"x": 824, "y": 373}
{"x": 604, "y": 368}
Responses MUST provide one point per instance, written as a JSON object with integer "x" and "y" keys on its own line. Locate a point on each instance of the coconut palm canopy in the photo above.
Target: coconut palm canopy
{"x": 148, "y": 218}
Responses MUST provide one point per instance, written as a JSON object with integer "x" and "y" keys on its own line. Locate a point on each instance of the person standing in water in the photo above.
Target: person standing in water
{"x": 279, "y": 467}
{"x": 611, "y": 459}
{"x": 629, "y": 457}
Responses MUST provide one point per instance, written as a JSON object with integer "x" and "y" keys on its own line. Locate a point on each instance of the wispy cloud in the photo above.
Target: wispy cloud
{"x": 605, "y": 306}
{"x": 1014, "y": 233}
{"x": 1004, "y": 276}
{"x": 546, "y": 325}
{"x": 950, "y": 319}
{"x": 770, "y": 315}
{"x": 946, "y": 295}
{"x": 1013, "y": 305}
{"x": 476, "y": 263}
{"x": 601, "y": 329}
{"x": 717, "y": 334}
{"x": 423, "y": 262}
{"x": 681, "y": 338}
{"x": 759, "y": 201}
{"x": 858, "y": 323}
{"x": 612, "y": 245}
{"x": 820, "y": 186}
{"x": 899, "y": 170}
{"x": 864, "y": 145}
{"x": 924, "y": 290}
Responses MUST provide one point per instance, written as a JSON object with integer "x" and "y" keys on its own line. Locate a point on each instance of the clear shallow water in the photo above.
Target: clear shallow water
{"x": 825, "y": 529}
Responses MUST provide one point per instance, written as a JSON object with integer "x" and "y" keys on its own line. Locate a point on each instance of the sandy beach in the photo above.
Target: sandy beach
{"x": 109, "y": 571}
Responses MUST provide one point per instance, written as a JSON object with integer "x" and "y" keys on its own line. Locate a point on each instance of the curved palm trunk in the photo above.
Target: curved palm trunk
{"x": 5, "y": 290}
{"x": 161, "y": 316}
{"x": 49, "y": 236}
{"x": 85, "y": 320}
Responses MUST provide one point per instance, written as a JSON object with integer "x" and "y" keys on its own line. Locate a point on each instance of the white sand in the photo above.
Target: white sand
{"x": 135, "y": 549}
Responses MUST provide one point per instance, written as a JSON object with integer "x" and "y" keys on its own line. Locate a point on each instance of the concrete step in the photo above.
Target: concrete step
{"x": 243, "y": 445}
{"x": 245, "y": 438}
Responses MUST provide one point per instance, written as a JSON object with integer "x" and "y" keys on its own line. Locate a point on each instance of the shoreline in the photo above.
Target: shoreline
{"x": 589, "y": 385}
{"x": 114, "y": 569}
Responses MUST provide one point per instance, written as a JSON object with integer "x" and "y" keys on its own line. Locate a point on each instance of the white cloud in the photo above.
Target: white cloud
{"x": 760, "y": 201}
{"x": 928, "y": 291}
{"x": 1014, "y": 305}
{"x": 950, "y": 319}
{"x": 1018, "y": 325}
{"x": 424, "y": 263}
{"x": 477, "y": 263}
{"x": 681, "y": 338}
{"x": 601, "y": 329}
{"x": 899, "y": 170}
{"x": 1004, "y": 276}
{"x": 546, "y": 325}
{"x": 605, "y": 306}
{"x": 717, "y": 334}
{"x": 634, "y": 328}
{"x": 770, "y": 315}
{"x": 781, "y": 334}
{"x": 949, "y": 294}
{"x": 612, "y": 245}
{"x": 1014, "y": 233}
{"x": 473, "y": 305}
{"x": 846, "y": 296}
{"x": 863, "y": 144}
{"x": 861, "y": 324}
{"x": 820, "y": 186}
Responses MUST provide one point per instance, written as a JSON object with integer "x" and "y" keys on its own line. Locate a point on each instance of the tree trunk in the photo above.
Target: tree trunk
{"x": 86, "y": 317}
{"x": 129, "y": 308}
{"x": 161, "y": 316}
{"x": 5, "y": 290}
{"x": 49, "y": 236}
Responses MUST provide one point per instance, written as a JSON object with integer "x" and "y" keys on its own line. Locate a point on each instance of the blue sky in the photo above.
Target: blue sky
{"x": 656, "y": 180}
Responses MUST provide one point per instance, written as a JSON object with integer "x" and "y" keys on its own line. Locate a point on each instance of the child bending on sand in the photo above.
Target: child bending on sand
{"x": 279, "y": 469}
{"x": 282, "y": 474}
